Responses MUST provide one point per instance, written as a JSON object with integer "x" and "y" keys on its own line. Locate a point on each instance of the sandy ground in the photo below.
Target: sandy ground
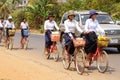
{"x": 15, "y": 68}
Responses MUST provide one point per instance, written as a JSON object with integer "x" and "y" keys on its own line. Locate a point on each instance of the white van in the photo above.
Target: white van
{"x": 106, "y": 22}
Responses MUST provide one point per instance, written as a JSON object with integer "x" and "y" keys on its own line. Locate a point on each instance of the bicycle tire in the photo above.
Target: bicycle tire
{"x": 0, "y": 37}
{"x": 65, "y": 60}
{"x": 80, "y": 61}
{"x": 56, "y": 54}
{"x": 62, "y": 42}
{"x": 102, "y": 65}
{"x": 10, "y": 43}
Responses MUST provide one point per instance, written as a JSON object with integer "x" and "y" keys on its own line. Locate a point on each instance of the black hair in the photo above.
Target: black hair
{"x": 23, "y": 19}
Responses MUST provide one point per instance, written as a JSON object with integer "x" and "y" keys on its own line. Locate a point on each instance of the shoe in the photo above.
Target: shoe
{"x": 46, "y": 53}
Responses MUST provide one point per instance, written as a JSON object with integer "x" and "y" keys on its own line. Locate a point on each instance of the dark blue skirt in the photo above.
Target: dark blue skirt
{"x": 69, "y": 42}
{"x": 48, "y": 41}
{"x": 91, "y": 42}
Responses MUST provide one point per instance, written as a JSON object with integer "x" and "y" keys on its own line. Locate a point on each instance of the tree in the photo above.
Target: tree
{"x": 39, "y": 10}
{"x": 4, "y": 9}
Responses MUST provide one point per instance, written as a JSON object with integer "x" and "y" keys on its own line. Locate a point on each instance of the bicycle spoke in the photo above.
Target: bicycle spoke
{"x": 80, "y": 59}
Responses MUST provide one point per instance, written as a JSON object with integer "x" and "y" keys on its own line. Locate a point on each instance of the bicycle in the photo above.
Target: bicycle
{"x": 53, "y": 49}
{"x": 9, "y": 42}
{"x": 100, "y": 56}
{"x": 78, "y": 57}
{"x": 1, "y": 34}
{"x": 25, "y": 40}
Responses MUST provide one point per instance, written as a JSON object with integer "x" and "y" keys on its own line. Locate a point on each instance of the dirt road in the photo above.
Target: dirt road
{"x": 29, "y": 64}
{"x": 16, "y": 68}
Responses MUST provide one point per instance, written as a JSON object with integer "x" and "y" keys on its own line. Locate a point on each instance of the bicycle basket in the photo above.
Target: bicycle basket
{"x": 11, "y": 32}
{"x": 79, "y": 42}
{"x": 103, "y": 41}
{"x": 55, "y": 36}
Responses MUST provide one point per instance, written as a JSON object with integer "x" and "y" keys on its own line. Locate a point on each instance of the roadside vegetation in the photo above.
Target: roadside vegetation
{"x": 36, "y": 11}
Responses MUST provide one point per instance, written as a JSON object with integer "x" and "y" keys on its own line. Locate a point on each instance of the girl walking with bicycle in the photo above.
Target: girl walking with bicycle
{"x": 10, "y": 31}
{"x": 24, "y": 31}
{"x": 1, "y": 28}
{"x": 2, "y": 31}
{"x": 49, "y": 27}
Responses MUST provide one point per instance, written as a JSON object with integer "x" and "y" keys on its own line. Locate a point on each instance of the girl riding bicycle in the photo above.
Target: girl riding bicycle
{"x": 24, "y": 27}
{"x": 70, "y": 26}
{"x": 48, "y": 27}
{"x": 92, "y": 27}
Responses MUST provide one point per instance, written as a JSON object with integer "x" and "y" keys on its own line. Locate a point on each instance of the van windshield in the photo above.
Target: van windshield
{"x": 102, "y": 18}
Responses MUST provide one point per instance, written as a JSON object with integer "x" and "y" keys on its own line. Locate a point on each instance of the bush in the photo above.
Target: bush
{"x": 18, "y": 15}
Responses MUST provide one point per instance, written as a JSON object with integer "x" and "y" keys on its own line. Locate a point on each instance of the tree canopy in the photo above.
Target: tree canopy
{"x": 36, "y": 11}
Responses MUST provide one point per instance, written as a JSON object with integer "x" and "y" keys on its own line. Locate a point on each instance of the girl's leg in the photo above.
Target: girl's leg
{"x": 21, "y": 42}
{"x": 88, "y": 59}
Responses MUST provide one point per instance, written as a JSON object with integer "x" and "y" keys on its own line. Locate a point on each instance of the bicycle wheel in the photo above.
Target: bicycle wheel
{"x": 56, "y": 53}
{"x": 0, "y": 37}
{"x": 7, "y": 44}
{"x": 66, "y": 59}
{"x": 102, "y": 62}
{"x": 80, "y": 61}
{"x": 62, "y": 41}
{"x": 11, "y": 43}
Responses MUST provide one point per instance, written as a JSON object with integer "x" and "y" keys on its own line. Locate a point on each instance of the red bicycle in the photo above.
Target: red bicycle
{"x": 100, "y": 56}
{"x": 53, "y": 49}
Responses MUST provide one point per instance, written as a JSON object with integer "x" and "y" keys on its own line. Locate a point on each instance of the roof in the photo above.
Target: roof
{"x": 87, "y": 12}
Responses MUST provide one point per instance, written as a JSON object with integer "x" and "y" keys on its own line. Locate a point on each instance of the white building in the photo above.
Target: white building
{"x": 61, "y": 1}
{"x": 24, "y": 3}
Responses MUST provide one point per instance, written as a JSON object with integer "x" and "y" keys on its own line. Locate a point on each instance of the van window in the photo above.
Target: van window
{"x": 102, "y": 18}
{"x": 65, "y": 17}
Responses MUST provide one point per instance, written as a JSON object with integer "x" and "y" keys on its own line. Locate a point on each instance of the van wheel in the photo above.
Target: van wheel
{"x": 118, "y": 48}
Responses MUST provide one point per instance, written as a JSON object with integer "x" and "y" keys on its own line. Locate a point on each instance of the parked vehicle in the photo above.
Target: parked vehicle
{"x": 106, "y": 22}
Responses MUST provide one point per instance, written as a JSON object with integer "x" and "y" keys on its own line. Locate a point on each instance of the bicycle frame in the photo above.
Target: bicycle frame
{"x": 97, "y": 53}
{"x": 52, "y": 47}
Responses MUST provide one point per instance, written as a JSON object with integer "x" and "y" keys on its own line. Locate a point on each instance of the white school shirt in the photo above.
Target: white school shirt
{"x": 91, "y": 25}
{"x": 49, "y": 25}
{"x": 24, "y": 25}
{"x": 71, "y": 26}
{"x": 9, "y": 24}
{"x": 2, "y": 24}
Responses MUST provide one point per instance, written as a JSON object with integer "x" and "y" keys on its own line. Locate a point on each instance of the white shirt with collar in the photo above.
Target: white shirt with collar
{"x": 71, "y": 26}
{"x": 24, "y": 25}
{"x": 2, "y": 24}
{"x": 91, "y": 25}
{"x": 9, "y": 24}
{"x": 49, "y": 25}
